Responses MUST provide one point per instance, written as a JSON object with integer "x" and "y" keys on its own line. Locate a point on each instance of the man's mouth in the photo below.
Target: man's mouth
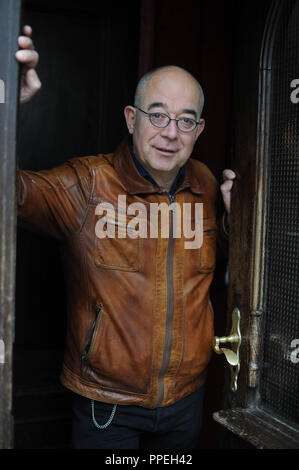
{"x": 166, "y": 151}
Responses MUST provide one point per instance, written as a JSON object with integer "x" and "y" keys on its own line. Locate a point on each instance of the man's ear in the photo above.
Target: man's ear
{"x": 200, "y": 128}
{"x": 130, "y": 115}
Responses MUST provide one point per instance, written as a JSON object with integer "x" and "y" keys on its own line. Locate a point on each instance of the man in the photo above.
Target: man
{"x": 140, "y": 322}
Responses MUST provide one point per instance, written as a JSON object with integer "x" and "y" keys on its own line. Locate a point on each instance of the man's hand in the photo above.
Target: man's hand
{"x": 226, "y": 187}
{"x": 28, "y": 58}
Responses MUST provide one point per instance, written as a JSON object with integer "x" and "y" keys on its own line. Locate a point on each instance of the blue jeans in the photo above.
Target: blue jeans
{"x": 175, "y": 426}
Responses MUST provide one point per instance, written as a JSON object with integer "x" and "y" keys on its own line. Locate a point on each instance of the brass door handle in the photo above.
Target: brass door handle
{"x": 232, "y": 355}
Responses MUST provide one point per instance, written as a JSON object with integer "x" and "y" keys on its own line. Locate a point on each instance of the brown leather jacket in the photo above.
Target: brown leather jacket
{"x": 140, "y": 321}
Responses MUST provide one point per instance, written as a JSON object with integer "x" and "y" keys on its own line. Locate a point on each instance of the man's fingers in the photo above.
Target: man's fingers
{"x": 31, "y": 84}
{"x": 228, "y": 174}
{"x": 227, "y": 186}
{"x": 33, "y": 81}
{"x": 25, "y": 42}
{"x": 27, "y": 30}
{"x": 28, "y": 57}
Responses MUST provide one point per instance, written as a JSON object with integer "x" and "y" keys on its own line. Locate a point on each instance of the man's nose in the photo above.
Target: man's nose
{"x": 170, "y": 131}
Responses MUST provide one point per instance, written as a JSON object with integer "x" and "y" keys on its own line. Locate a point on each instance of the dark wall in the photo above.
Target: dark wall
{"x": 198, "y": 37}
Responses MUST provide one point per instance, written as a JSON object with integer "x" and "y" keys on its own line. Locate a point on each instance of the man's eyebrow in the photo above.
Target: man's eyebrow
{"x": 190, "y": 111}
{"x": 159, "y": 104}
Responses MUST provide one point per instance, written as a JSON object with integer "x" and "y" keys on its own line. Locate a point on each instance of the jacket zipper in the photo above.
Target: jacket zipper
{"x": 91, "y": 334}
{"x": 169, "y": 310}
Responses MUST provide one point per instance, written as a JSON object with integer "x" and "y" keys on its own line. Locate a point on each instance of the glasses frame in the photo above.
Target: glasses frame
{"x": 197, "y": 123}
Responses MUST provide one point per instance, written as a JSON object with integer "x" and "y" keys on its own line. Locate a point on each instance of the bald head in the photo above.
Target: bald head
{"x": 178, "y": 74}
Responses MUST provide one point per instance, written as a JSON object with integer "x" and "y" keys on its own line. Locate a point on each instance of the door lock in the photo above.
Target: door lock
{"x": 232, "y": 355}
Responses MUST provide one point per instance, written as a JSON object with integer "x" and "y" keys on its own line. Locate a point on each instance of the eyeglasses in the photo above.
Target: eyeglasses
{"x": 162, "y": 120}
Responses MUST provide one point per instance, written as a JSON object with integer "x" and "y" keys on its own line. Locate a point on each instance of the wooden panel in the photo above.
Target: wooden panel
{"x": 259, "y": 428}
{"x": 9, "y": 28}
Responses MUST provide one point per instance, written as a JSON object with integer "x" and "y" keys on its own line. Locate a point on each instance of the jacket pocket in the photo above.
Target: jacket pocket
{"x": 91, "y": 336}
{"x": 112, "y": 356}
{"x": 120, "y": 249}
{"x": 207, "y": 252}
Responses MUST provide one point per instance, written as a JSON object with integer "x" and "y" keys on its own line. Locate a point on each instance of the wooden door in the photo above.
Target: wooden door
{"x": 264, "y": 241}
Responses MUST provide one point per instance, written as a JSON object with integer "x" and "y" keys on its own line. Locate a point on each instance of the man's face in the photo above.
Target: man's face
{"x": 165, "y": 150}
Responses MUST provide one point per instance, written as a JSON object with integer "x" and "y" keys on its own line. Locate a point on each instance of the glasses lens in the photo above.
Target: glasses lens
{"x": 159, "y": 119}
{"x": 186, "y": 124}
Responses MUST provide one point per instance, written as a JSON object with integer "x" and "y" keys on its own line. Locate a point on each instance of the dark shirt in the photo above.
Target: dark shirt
{"x": 145, "y": 174}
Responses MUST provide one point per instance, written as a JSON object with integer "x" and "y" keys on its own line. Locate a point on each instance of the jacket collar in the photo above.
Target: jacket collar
{"x": 136, "y": 184}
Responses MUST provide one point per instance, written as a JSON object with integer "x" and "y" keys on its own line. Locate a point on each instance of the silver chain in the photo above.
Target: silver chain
{"x": 102, "y": 426}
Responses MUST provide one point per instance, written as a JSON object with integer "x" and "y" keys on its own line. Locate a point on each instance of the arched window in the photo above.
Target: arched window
{"x": 280, "y": 372}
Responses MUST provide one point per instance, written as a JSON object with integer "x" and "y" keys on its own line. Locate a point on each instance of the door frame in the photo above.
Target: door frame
{"x": 10, "y": 13}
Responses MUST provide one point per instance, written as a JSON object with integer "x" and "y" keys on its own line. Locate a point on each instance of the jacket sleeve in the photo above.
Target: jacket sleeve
{"x": 54, "y": 202}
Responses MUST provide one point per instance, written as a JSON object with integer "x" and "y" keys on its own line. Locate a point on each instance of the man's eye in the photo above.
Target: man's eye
{"x": 157, "y": 115}
{"x": 187, "y": 120}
